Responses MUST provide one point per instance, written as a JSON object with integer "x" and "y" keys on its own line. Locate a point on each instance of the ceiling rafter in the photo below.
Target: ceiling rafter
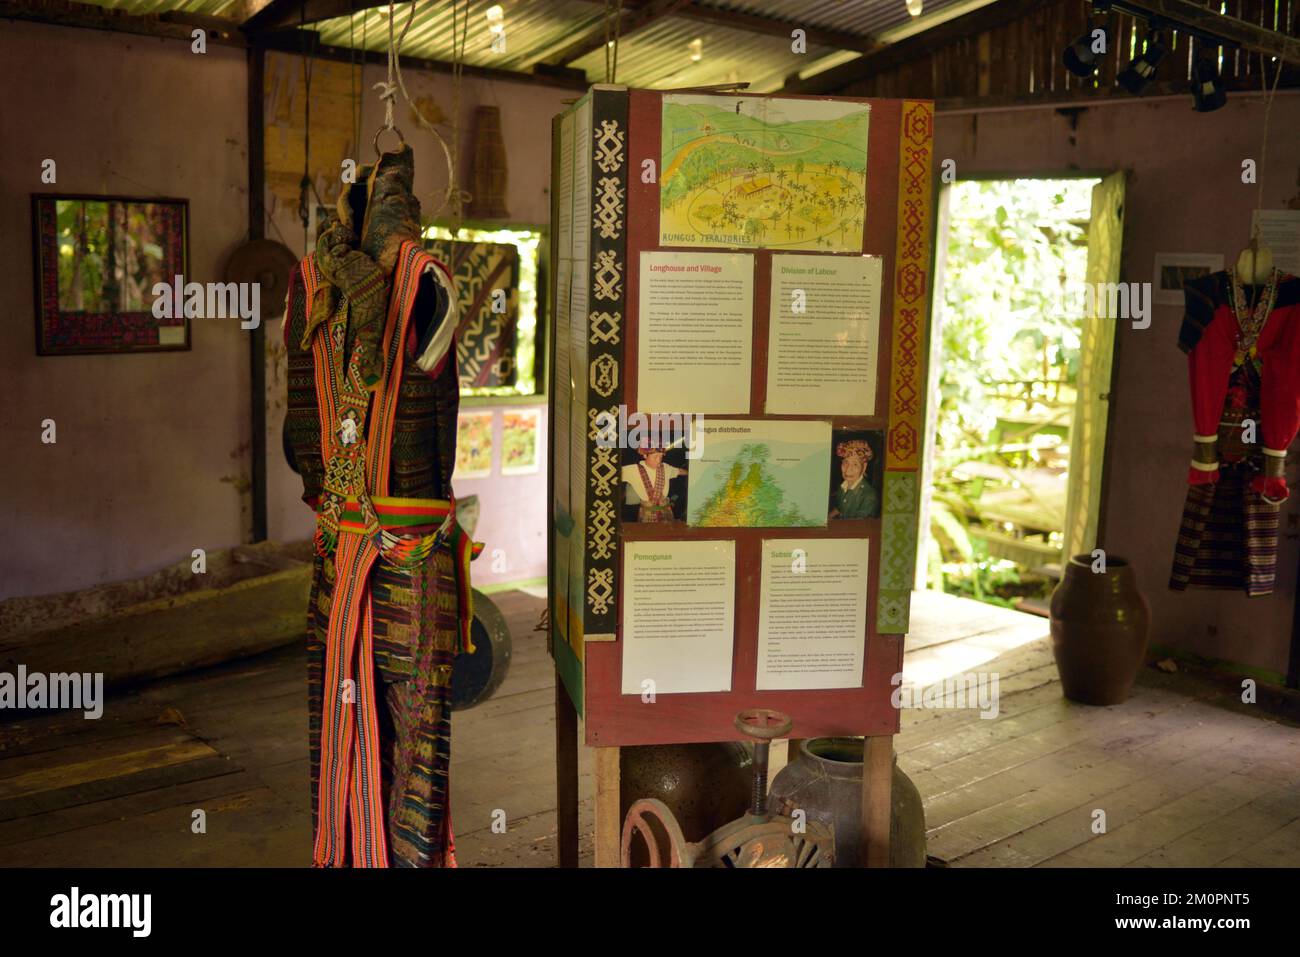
{"x": 634, "y": 18}
{"x": 914, "y": 47}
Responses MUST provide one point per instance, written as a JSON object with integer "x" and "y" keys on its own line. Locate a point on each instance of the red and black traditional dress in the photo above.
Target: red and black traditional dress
{"x": 371, "y": 427}
{"x": 1243, "y": 350}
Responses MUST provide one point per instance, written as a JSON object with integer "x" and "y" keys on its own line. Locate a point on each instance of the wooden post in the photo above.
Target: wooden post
{"x": 877, "y": 778}
{"x": 566, "y": 777}
{"x": 609, "y": 827}
{"x": 257, "y": 340}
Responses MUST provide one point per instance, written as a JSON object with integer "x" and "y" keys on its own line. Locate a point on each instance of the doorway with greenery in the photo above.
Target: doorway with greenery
{"x": 1008, "y": 361}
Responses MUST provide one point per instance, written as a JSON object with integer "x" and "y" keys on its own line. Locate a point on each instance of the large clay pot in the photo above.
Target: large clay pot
{"x": 704, "y": 785}
{"x": 1100, "y": 626}
{"x": 825, "y": 782}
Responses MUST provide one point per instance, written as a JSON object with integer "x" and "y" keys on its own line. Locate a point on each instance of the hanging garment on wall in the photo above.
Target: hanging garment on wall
{"x": 1243, "y": 349}
{"x": 486, "y": 277}
{"x": 371, "y": 424}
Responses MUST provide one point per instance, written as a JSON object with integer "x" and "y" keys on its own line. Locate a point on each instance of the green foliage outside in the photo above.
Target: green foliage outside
{"x": 1010, "y": 362}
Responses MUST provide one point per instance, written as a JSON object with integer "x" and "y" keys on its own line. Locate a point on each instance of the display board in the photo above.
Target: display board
{"x": 737, "y": 380}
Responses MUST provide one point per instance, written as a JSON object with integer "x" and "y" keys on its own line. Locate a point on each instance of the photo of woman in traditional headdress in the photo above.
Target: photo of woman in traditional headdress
{"x": 855, "y": 490}
{"x": 646, "y": 483}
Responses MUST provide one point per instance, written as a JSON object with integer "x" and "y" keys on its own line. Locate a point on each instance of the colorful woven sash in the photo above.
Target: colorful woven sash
{"x": 357, "y": 526}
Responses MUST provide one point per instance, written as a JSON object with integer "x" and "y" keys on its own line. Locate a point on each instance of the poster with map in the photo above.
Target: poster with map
{"x": 759, "y": 474}
{"x": 763, "y": 172}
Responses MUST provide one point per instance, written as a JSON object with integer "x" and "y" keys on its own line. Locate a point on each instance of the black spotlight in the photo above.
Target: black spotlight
{"x": 1207, "y": 86}
{"x": 1137, "y": 76}
{"x": 1082, "y": 57}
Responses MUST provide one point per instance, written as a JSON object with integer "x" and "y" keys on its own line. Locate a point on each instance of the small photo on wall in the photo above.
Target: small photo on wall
{"x": 857, "y": 474}
{"x": 473, "y": 445}
{"x": 1172, "y": 270}
{"x": 654, "y": 484}
{"x": 519, "y": 431}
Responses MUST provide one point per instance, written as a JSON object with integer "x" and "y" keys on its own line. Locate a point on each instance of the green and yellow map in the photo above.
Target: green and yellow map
{"x": 762, "y": 172}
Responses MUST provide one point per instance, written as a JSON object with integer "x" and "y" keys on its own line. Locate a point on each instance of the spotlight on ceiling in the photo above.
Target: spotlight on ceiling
{"x": 914, "y": 7}
{"x": 1207, "y": 86}
{"x": 1084, "y": 55}
{"x": 1137, "y": 76}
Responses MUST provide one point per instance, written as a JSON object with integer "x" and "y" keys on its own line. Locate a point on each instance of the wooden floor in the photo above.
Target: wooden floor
{"x": 1184, "y": 773}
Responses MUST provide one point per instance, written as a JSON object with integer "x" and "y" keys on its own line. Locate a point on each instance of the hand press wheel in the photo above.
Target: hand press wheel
{"x": 759, "y": 839}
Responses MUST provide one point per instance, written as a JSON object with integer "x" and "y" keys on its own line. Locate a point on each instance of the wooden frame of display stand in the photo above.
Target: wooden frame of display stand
{"x": 604, "y": 215}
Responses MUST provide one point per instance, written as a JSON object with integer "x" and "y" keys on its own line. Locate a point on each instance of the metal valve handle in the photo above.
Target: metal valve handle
{"x": 763, "y": 724}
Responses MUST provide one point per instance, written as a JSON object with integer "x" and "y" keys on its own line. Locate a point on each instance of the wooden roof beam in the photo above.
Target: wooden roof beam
{"x": 772, "y": 26}
{"x": 914, "y": 47}
{"x": 633, "y": 19}
{"x": 1248, "y": 36}
{"x": 66, "y": 13}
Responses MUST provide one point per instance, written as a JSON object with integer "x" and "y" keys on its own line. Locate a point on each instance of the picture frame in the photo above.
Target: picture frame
{"x": 96, "y": 260}
{"x": 1173, "y": 269}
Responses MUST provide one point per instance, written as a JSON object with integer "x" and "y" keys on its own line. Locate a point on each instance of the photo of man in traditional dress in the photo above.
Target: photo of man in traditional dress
{"x": 646, "y": 484}
{"x": 855, "y": 493}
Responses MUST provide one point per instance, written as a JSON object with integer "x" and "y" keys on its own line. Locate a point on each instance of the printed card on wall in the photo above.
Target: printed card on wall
{"x": 763, "y": 172}
{"x": 520, "y": 429}
{"x": 812, "y": 623}
{"x": 759, "y": 474}
{"x": 678, "y": 616}
{"x": 473, "y": 445}
{"x": 696, "y": 342}
{"x": 824, "y": 335}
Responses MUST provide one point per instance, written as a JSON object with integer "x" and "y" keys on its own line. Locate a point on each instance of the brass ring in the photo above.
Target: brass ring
{"x": 401, "y": 144}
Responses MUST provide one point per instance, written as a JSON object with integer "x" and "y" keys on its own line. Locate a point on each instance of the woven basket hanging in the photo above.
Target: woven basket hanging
{"x": 490, "y": 176}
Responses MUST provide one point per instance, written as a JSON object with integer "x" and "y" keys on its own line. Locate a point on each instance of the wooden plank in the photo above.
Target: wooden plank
{"x": 1074, "y": 827}
{"x": 1280, "y": 849}
{"x": 192, "y": 794}
{"x": 915, "y": 47}
{"x": 566, "y": 778}
{"x": 877, "y": 781}
{"x": 609, "y": 825}
{"x": 97, "y": 769}
{"x": 1234, "y": 833}
{"x": 1056, "y": 783}
{"x": 245, "y": 829}
{"x": 102, "y": 789}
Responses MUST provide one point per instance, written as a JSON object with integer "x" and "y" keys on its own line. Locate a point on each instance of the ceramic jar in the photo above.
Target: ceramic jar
{"x": 1100, "y": 627}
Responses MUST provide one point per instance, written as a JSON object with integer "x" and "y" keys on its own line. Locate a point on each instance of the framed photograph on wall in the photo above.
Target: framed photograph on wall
{"x": 97, "y": 260}
{"x": 1174, "y": 269}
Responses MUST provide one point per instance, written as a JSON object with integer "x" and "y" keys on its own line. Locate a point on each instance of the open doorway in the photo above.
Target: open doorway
{"x": 1019, "y": 385}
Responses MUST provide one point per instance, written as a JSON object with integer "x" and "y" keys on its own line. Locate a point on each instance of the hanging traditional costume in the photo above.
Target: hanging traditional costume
{"x": 371, "y": 427}
{"x": 1243, "y": 349}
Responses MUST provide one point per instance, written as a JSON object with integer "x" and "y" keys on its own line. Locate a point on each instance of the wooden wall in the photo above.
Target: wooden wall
{"x": 1022, "y": 59}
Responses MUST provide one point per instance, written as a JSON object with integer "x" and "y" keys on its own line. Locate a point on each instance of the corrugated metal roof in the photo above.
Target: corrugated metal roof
{"x": 660, "y": 56}
{"x": 141, "y": 8}
{"x": 533, "y": 30}
{"x": 656, "y": 56}
{"x": 863, "y": 17}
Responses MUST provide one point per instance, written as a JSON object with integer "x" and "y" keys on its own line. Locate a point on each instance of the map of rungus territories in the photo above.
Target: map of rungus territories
{"x": 771, "y": 173}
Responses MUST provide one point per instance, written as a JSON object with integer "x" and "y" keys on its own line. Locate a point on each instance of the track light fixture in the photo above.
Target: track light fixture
{"x": 1137, "y": 76}
{"x": 1207, "y": 86}
{"x": 1083, "y": 56}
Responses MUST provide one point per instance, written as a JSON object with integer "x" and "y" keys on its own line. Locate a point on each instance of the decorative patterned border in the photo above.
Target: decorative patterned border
{"x": 907, "y": 368}
{"x": 607, "y": 300}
